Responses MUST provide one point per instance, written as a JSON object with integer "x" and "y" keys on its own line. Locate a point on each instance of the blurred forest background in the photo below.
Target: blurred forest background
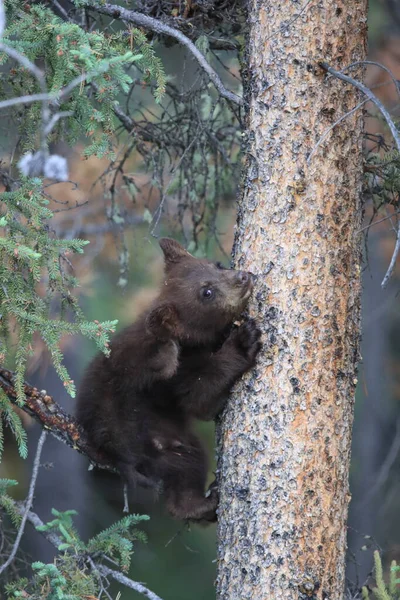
{"x": 197, "y": 206}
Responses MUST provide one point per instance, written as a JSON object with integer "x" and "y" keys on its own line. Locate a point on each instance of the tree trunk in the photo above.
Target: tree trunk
{"x": 285, "y": 436}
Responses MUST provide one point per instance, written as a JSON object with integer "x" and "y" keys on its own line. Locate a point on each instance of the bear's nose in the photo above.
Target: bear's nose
{"x": 243, "y": 277}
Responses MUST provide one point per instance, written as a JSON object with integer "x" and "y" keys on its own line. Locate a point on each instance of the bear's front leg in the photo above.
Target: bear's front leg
{"x": 203, "y": 388}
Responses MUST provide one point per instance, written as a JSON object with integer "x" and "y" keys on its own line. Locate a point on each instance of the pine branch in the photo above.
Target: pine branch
{"x": 55, "y": 540}
{"x": 53, "y": 418}
{"x": 130, "y": 16}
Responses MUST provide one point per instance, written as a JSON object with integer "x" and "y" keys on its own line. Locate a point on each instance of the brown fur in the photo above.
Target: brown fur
{"x": 177, "y": 362}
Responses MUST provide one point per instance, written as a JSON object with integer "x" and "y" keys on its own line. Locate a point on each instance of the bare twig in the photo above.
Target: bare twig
{"x": 61, "y": 10}
{"x": 54, "y": 98}
{"x": 371, "y": 96}
{"x": 133, "y": 585}
{"x": 156, "y": 219}
{"x": 55, "y": 118}
{"x": 25, "y": 100}
{"x": 371, "y": 224}
{"x": 376, "y": 64}
{"x": 126, "y": 500}
{"x": 392, "y": 264}
{"x": 327, "y": 131}
{"x": 130, "y": 16}
{"x": 285, "y": 26}
{"x": 28, "y": 503}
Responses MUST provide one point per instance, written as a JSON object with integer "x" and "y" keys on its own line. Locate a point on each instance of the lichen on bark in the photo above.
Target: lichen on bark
{"x": 284, "y": 440}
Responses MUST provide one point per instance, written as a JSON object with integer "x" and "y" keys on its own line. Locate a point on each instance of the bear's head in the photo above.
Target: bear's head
{"x": 199, "y": 298}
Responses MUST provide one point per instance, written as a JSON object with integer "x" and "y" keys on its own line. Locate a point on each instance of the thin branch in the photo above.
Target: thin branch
{"x": 21, "y": 59}
{"x": 61, "y": 10}
{"x": 392, "y": 265}
{"x": 158, "y": 212}
{"x": 54, "y": 98}
{"x": 133, "y": 585}
{"x": 55, "y": 118}
{"x": 371, "y": 224}
{"x": 26, "y": 100}
{"x": 327, "y": 131}
{"x": 376, "y": 64}
{"x": 28, "y": 503}
{"x": 285, "y": 26}
{"x": 371, "y": 96}
{"x": 130, "y": 16}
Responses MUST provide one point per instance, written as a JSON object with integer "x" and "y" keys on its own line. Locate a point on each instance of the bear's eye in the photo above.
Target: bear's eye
{"x": 207, "y": 293}
{"x": 219, "y": 265}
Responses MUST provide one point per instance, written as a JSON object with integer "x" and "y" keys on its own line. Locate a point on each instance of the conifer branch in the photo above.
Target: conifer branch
{"x": 42, "y": 407}
{"x": 130, "y": 16}
{"x": 55, "y": 540}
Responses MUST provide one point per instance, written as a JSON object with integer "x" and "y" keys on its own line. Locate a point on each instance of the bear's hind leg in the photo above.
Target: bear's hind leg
{"x": 183, "y": 471}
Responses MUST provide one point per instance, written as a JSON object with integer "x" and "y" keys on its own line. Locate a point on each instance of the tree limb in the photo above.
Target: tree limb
{"x": 130, "y": 16}
{"x": 53, "y": 418}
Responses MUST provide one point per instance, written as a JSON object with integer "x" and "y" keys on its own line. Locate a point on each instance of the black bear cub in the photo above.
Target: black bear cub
{"x": 177, "y": 363}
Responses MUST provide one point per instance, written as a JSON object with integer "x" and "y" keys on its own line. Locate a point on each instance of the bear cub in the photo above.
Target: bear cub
{"x": 176, "y": 363}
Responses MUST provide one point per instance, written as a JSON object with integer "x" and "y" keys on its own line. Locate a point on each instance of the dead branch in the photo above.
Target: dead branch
{"x": 28, "y": 503}
{"x": 130, "y": 16}
{"x": 395, "y": 133}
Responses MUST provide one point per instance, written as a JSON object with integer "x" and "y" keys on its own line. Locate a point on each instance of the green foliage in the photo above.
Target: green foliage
{"x": 63, "y": 525}
{"x": 34, "y": 274}
{"x": 383, "y": 591}
{"x": 71, "y": 576}
{"x": 34, "y": 277}
{"x": 59, "y": 581}
{"x": 11, "y": 418}
{"x": 150, "y": 63}
{"x": 69, "y": 51}
{"x": 116, "y": 542}
{"x": 7, "y": 503}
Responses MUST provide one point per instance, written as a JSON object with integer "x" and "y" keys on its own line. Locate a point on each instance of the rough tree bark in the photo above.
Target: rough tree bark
{"x": 285, "y": 437}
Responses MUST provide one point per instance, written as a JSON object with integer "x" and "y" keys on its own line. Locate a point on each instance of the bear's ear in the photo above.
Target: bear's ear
{"x": 173, "y": 251}
{"x": 163, "y": 322}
